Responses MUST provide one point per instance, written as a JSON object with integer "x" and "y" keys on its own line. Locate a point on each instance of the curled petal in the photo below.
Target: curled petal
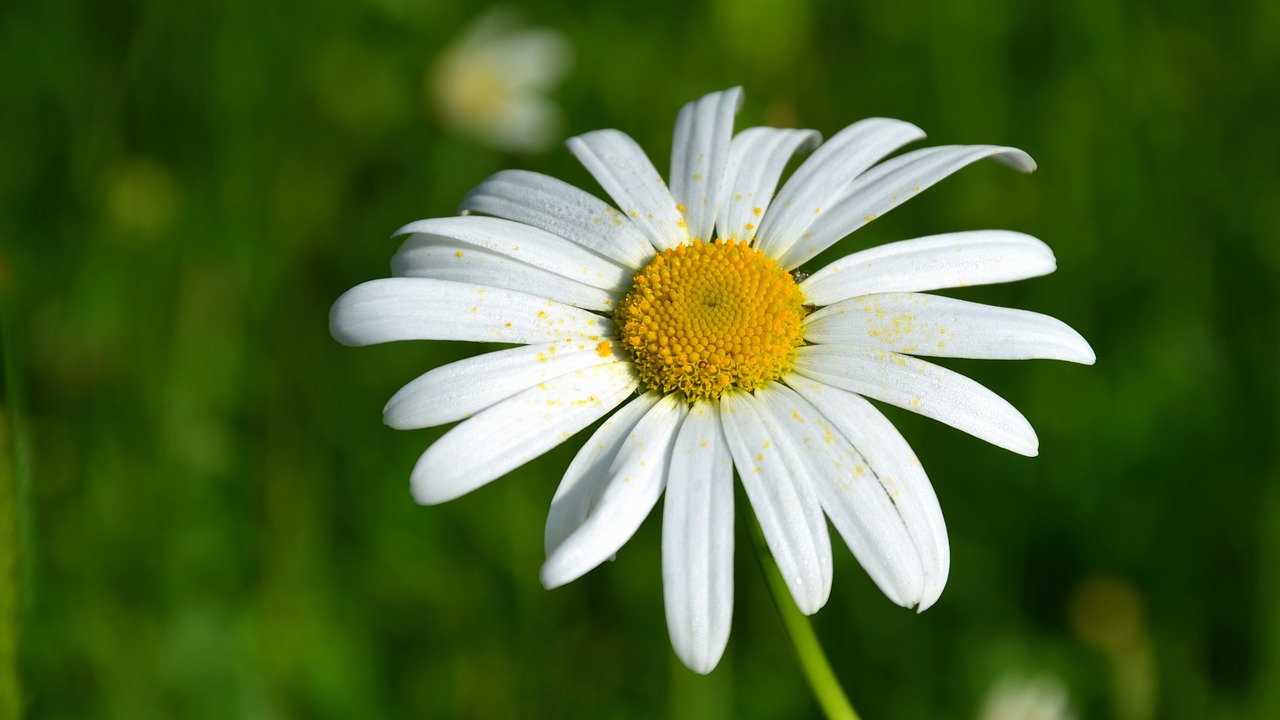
{"x": 890, "y": 184}
{"x": 825, "y": 177}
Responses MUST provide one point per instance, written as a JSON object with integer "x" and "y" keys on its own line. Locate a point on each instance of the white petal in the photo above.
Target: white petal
{"x": 525, "y": 243}
{"x": 697, "y": 541}
{"x": 933, "y": 325}
{"x": 442, "y": 258}
{"x": 704, "y": 128}
{"x": 393, "y": 309}
{"x": 561, "y": 209}
{"x": 589, "y": 472}
{"x": 636, "y": 478}
{"x": 624, "y": 171}
{"x": 978, "y": 257}
{"x": 851, "y": 496}
{"x": 757, "y": 158}
{"x": 898, "y": 471}
{"x": 890, "y": 184}
{"x": 461, "y": 389}
{"x": 783, "y": 499}
{"x": 517, "y": 430}
{"x": 825, "y": 176}
{"x": 920, "y": 387}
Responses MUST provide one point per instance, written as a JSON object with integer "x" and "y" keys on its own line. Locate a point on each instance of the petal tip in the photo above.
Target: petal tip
{"x": 1087, "y": 355}
{"x": 1074, "y": 348}
{"x": 339, "y": 327}
{"x": 1025, "y": 443}
{"x": 552, "y": 574}
{"x": 423, "y": 494}
{"x": 701, "y": 664}
{"x": 812, "y": 602}
{"x": 927, "y": 601}
{"x": 430, "y": 486}
{"x": 738, "y": 95}
{"x": 398, "y": 418}
{"x": 1024, "y": 440}
{"x": 1016, "y": 159}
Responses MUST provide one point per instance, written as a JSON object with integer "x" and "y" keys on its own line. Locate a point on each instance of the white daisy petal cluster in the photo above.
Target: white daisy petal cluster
{"x": 675, "y": 313}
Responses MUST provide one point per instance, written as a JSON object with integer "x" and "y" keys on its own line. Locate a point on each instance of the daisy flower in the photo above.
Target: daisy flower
{"x": 677, "y": 313}
{"x": 493, "y": 83}
{"x": 1038, "y": 698}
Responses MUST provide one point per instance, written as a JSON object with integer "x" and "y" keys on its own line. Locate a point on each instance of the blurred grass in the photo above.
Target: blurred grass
{"x": 221, "y": 523}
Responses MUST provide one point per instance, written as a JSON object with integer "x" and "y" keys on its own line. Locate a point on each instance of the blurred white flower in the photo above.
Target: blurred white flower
{"x": 1038, "y": 698}
{"x": 493, "y": 83}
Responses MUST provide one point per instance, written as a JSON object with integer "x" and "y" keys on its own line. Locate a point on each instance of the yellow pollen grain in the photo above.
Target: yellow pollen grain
{"x": 604, "y": 349}
{"x": 705, "y": 317}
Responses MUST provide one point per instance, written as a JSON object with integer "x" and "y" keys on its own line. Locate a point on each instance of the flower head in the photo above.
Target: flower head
{"x": 492, "y": 83}
{"x": 1037, "y": 698}
{"x": 678, "y": 312}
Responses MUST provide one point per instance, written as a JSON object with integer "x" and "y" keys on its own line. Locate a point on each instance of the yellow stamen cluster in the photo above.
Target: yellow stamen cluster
{"x": 705, "y": 317}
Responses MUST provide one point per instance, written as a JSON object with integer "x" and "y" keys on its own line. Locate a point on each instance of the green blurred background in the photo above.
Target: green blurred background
{"x": 202, "y": 516}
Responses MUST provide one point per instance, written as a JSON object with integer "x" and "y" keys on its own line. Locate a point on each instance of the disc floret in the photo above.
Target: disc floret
{"x": 705, "y": 317}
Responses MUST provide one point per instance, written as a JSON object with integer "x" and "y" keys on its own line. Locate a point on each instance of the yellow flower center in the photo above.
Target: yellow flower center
{"x": 705, "y": 317}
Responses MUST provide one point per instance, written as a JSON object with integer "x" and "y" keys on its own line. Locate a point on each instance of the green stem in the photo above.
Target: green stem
{"x": 813, "y": 662}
